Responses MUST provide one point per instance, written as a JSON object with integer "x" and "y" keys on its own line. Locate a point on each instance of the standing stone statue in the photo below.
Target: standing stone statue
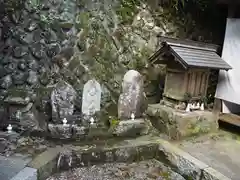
{"x": 132, "y": 98}
{"x": 91, "y": 99}
{"x": 62, "y": 99}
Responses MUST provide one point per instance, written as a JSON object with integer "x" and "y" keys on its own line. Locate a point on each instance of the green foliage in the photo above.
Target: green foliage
{"x": 114, "y": 122}
{"x": 181, "y": 4}
{"x": 127, "y": 10}
{"x": 187, "y": 96}
{"x": 82, "y": 20}
{"x": 204, "y": 99}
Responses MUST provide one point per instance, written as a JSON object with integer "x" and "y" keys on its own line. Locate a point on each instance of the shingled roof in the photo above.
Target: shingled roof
{"x": 192, "y": 53}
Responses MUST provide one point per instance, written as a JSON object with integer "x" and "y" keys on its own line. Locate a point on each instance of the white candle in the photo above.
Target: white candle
{"x": 9, "y": 128}
{"x": 188, "y": 107}
{"x": 91, "y": 120}
{"x": 198, "y": 105}
{"x": 64, "y": 122}
{"x": 132, "y": 116}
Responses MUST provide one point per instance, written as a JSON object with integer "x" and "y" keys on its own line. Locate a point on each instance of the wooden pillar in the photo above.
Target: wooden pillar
{"x": 217, "y": 108}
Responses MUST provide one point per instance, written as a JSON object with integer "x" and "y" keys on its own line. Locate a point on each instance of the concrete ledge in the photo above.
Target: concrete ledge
{"x": 211, "y": 174}
{"x": 187, "y": 165}
{"x": 26, "y": 174}
{"x": 46, "y": 163}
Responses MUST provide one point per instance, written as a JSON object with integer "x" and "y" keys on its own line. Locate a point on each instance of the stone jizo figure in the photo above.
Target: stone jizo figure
{"x": 62, "y": 99}
{"x": 132, "y": 98}
{"x": 91, "y": 99}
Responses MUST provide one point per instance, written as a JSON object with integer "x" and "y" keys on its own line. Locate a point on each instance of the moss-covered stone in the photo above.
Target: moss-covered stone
{"x": 179, "y": 124}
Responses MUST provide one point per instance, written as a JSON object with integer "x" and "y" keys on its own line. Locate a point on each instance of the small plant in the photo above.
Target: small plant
{"x": 204, "y": 99}
{"x": 114, "y": 121}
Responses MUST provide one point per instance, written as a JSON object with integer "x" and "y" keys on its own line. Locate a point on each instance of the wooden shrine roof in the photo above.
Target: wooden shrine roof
{"x": 192, "y": 53}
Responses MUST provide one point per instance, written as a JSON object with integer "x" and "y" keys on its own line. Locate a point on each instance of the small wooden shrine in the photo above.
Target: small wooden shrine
{"x": 188, "y": 65}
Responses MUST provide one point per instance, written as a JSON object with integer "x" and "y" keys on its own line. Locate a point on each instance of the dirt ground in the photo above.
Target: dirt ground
{"x": 220, "y": 150}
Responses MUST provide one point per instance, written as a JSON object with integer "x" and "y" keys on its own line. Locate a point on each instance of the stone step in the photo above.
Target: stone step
{"x": 26, "y": 174}
{"x": 10, "y": 166}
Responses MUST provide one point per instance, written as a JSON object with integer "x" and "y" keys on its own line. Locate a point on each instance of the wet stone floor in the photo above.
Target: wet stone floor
{"x": 143, "y": 170}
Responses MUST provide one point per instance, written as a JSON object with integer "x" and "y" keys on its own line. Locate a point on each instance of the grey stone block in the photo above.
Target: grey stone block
{"x": 132, "y": 127}
{"x": 10, "y": 166}
{"x": 26, "y": 174}
{"x": 184, "y": 162}
{"x": 211, "y": 174}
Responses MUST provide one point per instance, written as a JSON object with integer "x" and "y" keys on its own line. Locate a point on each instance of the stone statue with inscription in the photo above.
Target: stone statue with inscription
{"x": 132, "y": 99}
{"x": 131, "y": 106}
{"x": 91, "y": 99}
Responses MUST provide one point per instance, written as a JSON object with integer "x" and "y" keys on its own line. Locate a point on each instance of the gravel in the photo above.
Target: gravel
{"x": 144, "y": 170}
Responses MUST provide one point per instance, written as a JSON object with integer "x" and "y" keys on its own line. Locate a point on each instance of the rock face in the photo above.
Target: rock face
{"x": 75, "y": 41}
{"x": 132, "y": 98}
{"x": 62, "y": 100}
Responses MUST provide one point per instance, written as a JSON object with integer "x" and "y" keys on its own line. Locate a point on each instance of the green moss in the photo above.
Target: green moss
{"x": 196, "y": 129}
{"x": 127, "y": 10}
{"x": 165, "y": 175}
{"x": 114, "y": 122}
{"x": 82, "y": 20}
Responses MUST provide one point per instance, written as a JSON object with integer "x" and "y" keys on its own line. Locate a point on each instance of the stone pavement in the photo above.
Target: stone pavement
{"x": 11, "y": 166}
{"x": 220, "y": 151}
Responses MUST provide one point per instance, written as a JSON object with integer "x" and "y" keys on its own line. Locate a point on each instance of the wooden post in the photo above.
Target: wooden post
{"x": 217, "y": 107}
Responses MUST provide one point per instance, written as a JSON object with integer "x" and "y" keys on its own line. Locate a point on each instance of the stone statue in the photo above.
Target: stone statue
{"x": 62, "y": 100}
{"x": 132, "y": 99}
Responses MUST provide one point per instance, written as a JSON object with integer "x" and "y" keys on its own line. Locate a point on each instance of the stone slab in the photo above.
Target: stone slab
{"x": 186, "y": 164}
{"x": 179, "y": 124}
{"x": 123, "y": 151}
{"x": 219, "y": 150}
{"x": 26, "y": 174}
{"x": 132, "y": 128}
{"x": 211, "y": 174}
{"x": 46, "y": 162}
{"x": 10, "y": 166}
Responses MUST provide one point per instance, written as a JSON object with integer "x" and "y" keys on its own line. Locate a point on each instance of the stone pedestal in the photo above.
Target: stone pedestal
{"x": 131, "y": 128}
{"x": 59, "y": 131}
{"x": 178, "y": 124}
{"x": 79, "y": 132}
{"x": 98, "y": 132}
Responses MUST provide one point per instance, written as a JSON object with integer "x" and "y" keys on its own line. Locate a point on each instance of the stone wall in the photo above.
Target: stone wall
{"x": 77, "y": 40}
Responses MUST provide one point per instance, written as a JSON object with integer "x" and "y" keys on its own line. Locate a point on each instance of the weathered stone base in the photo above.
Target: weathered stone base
{"x": 132, "y": 128}
{"x": 76, "y": 132}
{"x": 66, "y": 157}
{"x": 125, "y": 128}
{"x": 60, "y": 131}
{"x": 177, "y": 124}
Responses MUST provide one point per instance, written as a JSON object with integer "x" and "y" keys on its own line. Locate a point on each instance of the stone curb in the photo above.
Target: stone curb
{"x": 187, "y": 165}
{"x": 26, "y": 174}
{"x": 46, "y": 163}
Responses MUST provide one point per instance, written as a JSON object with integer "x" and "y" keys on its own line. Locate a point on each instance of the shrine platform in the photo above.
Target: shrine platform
{"x": 178, "y": 124}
